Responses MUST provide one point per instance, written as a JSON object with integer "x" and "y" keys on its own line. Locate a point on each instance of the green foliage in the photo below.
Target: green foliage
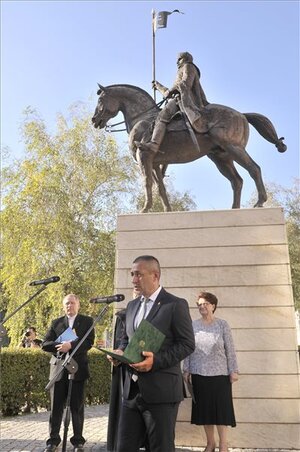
{"x": 59, "y": 214}
{"x": 24, "y": 376}
{"x": 289, "y": 200}
{"x": 98, "y": 385}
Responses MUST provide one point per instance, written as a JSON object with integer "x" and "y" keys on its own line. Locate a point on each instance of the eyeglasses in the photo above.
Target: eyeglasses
{"x": 202, "y": 304}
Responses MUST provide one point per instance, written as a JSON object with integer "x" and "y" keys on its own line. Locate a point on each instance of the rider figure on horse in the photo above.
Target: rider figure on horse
{"x": 192, "y": 99}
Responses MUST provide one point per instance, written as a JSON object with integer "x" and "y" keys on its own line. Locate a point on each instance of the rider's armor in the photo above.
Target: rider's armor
{"x": 187, "y": 86}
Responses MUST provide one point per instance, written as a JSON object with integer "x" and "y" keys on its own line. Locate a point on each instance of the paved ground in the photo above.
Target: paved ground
{"x": 28, "y": 433}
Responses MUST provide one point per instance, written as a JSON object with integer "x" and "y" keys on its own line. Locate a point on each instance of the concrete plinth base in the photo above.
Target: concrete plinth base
{"x": 242, "y": 257}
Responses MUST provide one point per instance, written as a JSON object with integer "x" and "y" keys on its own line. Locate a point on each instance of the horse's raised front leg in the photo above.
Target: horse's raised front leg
{"x": 226, "y": 167}
{"x": 145, "y": 160}
{"x": 161, "y": 188}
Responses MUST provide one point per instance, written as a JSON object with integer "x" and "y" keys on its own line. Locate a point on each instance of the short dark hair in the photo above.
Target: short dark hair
{"x": 210, "y": 297}
{"x": 147, "y": 258}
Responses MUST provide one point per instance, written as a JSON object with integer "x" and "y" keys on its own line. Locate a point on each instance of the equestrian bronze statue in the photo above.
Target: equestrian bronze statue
{"x": 219, "y": 132}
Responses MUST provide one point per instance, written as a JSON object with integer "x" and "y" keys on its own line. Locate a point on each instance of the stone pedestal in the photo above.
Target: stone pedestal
{"x": 242, "y": 257}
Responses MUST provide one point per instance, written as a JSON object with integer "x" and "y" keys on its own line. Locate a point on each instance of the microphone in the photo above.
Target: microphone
{"x": 45, "y": 281}
{"x": 111, "y": 299}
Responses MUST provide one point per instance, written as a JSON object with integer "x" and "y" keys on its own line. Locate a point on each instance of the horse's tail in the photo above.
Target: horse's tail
{"x": 266, "y": 129}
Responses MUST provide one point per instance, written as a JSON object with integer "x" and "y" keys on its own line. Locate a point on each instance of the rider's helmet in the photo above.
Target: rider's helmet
{"x": 185, "y": 56}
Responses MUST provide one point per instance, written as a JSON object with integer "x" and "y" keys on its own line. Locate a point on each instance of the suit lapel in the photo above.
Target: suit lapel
{"x": 77, "y": 324}
{"x": 157, "y": 304}
{"x": 66, "y": 322}
{"x": 131, "y": 316}
{"x": 63, "y": 324}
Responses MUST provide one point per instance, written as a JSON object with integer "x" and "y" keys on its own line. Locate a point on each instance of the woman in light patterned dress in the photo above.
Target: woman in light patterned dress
{"x": 211, "y": 369}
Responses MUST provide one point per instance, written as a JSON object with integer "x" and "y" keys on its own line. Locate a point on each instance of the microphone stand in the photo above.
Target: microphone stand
{"x": 71, "y": 365}
{"x": 3, "y": 331}
{"x": 68, "y": 405}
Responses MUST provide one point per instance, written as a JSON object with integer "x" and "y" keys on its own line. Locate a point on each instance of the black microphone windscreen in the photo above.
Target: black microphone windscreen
{"x": 109, "y": 299}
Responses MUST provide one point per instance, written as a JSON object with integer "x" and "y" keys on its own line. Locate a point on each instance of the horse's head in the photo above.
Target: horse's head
{"x": 107, "y": 108}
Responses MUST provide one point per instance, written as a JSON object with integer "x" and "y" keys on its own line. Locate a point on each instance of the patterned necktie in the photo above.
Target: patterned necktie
{"x": 139, "y": 317}
{"x": 142, "y": 312}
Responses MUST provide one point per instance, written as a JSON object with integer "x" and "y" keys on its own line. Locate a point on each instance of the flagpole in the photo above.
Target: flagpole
{"x": 153, "y": 52}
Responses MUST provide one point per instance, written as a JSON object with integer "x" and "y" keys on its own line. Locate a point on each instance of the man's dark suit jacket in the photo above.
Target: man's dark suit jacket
{"x": 81, "y": 325}
{"x": 170, "y": 314}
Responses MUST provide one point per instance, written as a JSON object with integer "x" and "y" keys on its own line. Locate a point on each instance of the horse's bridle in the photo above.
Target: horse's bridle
{"x": 108, "y": 127}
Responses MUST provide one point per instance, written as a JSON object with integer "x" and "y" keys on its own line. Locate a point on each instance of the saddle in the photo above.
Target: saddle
{"x": 200, "y": 122}
{"x": 177, "y": 123}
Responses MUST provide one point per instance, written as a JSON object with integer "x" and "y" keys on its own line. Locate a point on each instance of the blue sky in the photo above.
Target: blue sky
{"x": 53, "y": 53}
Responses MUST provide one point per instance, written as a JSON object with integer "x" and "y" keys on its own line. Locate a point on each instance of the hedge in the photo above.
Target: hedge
{"x": 24, "y": 375}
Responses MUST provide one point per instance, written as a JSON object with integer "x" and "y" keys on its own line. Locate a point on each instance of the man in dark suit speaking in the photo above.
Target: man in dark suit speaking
{"x": 61, "y": 338}
{"x": 153, "y": 388}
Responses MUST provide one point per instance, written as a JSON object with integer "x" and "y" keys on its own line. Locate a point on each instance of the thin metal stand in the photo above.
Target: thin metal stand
{"x": 67, "y": 413}
{"x": 3, "y": 331}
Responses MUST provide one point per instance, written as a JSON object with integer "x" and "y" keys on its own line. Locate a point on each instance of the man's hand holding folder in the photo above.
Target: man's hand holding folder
{"x": 146, "y": 341}
{"x": 146, "y": 364}
{"x": 64, "y": 340}
{"x": 115, "y": 362}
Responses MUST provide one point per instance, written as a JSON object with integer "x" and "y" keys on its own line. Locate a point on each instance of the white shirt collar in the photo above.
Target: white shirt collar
{"x": 154, "y": 295}
{"x": 71, "y": 320}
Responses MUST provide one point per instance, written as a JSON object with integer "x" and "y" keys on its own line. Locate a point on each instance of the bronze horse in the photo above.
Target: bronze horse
{"x": 224, "y": 143}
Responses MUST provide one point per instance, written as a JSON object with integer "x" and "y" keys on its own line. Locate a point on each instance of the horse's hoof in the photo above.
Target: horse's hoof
{"x": 137, "y": 144}
{"x": 149, "y": 148}
{"x": 144, "y": 146}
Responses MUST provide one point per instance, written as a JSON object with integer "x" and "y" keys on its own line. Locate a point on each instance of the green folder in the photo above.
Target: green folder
{"x": 146, "y": 338}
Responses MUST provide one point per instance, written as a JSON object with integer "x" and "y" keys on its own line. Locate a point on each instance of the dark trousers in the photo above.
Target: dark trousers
{"x": 140, "y": 419}
{"x": 59, "y": 394}
{"x": 115, "y": 406}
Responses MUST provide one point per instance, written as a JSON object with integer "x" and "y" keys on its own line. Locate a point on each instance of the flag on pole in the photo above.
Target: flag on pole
{"x": 161, "y": 18}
